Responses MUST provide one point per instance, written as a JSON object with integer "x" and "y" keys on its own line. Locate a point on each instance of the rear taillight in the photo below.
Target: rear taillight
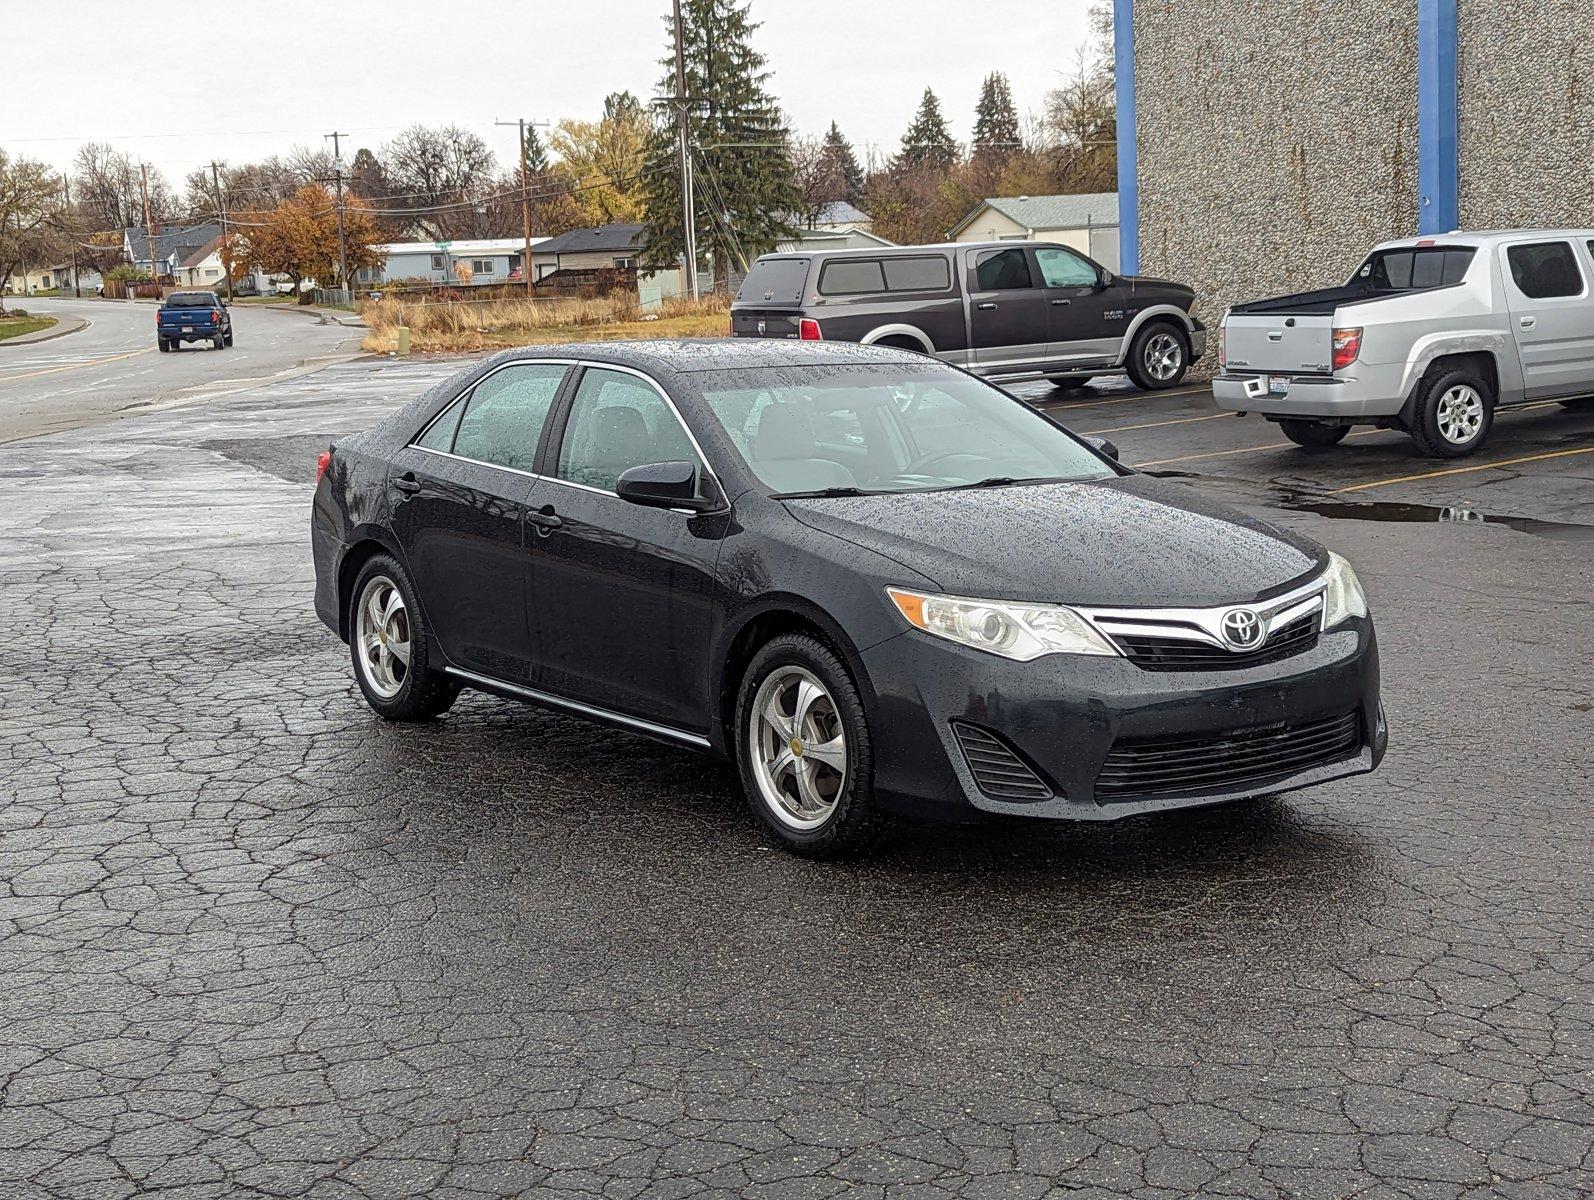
{"x": 1347, "y": 345}
{"x": 808, "y": 330}
{"x": 215, "y": 315}
{"x": 1223, "y": 347}
{"x": 322, "y": 463}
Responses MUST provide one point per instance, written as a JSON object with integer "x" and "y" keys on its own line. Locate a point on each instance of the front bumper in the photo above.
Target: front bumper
{"x": 1364, "y": 391}
{"x": 1064, "y": 715}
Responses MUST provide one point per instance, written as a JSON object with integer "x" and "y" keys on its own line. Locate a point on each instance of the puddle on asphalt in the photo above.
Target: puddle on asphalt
{"x": 1339, "y": 510}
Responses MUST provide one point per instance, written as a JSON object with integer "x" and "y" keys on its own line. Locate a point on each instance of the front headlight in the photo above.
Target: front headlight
{"x": 1343, "y": 598}
{"x": 1017, "y": 631}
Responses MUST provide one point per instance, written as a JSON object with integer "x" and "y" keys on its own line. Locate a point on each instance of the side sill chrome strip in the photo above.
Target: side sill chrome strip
{"x": 591, "y": 710}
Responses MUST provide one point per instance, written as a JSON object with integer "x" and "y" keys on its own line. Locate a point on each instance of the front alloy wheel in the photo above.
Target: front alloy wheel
{"x": 803, "y": 748}
{"x": 1158, "y": 357}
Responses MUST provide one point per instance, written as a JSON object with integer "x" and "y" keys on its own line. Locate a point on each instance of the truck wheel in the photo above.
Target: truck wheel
{"x": 165, "y": 346}
{"x": 217, "y": 342}
{"x": 1158, "y": 357}
{"x": 1454, "y": 413}
{"x": 1313, "y": 435}
{"x": 1068, "y": 381}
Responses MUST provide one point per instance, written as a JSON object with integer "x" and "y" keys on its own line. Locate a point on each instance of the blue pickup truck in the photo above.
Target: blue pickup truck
{"x": 193, "y": 317}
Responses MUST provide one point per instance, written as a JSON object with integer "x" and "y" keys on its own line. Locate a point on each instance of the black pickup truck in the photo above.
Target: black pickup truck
{"x": 1003, "y": 310}
{"x": 193, "y": 317}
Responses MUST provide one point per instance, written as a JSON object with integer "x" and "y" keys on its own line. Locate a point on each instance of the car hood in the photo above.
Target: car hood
{"x": 1128, "y": 541}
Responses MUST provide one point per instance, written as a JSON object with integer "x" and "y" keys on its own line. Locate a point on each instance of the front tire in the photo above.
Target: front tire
{"x": 803, "y": 750}
{"x": 1158, "y": 357}
{"x": 1454, "y": 414}
{"x": 1312, "y": 435}
{"x": 1068, "y": 381}
{"x": 388, "y": 645}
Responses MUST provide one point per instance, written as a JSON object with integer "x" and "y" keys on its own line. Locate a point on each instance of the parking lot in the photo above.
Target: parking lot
{"x": 257, "y": 943}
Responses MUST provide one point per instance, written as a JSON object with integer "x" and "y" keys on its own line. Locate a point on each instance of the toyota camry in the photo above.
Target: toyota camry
{"x": 877, "y": 583}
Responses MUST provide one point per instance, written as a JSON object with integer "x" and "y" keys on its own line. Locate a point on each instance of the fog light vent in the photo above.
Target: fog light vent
{"x": 997, "y": 767}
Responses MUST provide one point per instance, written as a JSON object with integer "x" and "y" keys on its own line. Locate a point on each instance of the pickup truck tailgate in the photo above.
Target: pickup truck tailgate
{"x": 1283, "y": 343}
{"x": 764, "y": 322}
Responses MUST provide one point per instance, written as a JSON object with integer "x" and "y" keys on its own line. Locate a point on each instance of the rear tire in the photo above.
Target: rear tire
{"x": 1454, "y": 413}
{"x": 803, "y": 750}
{"x": 388, "y": 646}
{"x": 217, "y": 342}
{"x": 1068, "y": 381}
{"x": 1312, "y": 435}
{"x": 1159, "y": 356}
{"x": 165, "y": 346}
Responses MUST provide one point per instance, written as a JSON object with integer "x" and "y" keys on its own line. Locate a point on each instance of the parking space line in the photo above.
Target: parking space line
{"x": 1191, "y": 391}
{"x": 1505, "y": 462}
{"x": 1159, "y": 462}
{"x": 1159, "y": 424}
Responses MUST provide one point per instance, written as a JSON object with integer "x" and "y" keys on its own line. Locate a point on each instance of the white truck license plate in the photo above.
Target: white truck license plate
{"x": 1279, "y": 385}
{"x": 188, "y": 329}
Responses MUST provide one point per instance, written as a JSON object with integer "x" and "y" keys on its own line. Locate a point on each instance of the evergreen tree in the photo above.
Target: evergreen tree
{"x": 996, "y": 133}
{"x": 840, "y": 167}
{"x": 536, "y": 153}
{"x": 928, "y": 142}
{"x": 742, "y": 176}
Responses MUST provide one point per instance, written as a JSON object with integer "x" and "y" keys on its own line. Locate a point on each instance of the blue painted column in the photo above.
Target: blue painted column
{"x": 1438, "y": 165}
{"x": 1123, "y": 34}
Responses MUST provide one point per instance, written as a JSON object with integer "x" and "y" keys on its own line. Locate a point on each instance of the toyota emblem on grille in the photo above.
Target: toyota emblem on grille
{"x": 1242, "y": 629}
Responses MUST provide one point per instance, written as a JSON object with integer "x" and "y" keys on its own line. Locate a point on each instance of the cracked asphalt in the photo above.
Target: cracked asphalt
{"x": 255, "y": 943}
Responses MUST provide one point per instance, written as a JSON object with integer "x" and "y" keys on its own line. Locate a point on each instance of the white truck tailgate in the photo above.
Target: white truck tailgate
{"x": 1290, "y": 345}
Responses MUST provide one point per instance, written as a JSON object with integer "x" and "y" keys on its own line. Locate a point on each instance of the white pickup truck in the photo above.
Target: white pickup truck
{"x": 1431, "y": 335}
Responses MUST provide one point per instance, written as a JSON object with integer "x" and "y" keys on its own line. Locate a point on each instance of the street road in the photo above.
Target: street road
{"x": 256, "y": 943}
{"x": 90, "y": 376}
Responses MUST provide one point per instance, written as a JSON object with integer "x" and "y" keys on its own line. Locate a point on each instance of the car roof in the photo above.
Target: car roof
{"x": 937, "y": 247}
{"x": 1482, "y": 237}
{"x": 686, "y": 355}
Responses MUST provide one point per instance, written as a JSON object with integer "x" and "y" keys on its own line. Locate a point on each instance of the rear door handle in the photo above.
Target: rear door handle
{"x": 1060, "y": 303}
{"x": 987, "y": 304}
{"x": 1527, "y": 322}
{"x": 546, "y": 520}
{"x": 407, "y": 483}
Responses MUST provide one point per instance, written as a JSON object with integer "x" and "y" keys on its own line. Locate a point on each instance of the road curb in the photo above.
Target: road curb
{"x": 355, "y": 321}
{"x": 48, "y": 335}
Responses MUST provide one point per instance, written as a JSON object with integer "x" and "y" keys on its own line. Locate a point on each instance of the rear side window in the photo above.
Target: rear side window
{"x": 1416, "y": 268}
{"x": 775, "y": 281}
{"x": 1545, "y": 270}
{"x": 851, "y": 277}
{"x": 921, "y": 273}
{"x": 439, "y": 434}
{"x": 1000, "y": 270}
{"x": 503, "y": 419}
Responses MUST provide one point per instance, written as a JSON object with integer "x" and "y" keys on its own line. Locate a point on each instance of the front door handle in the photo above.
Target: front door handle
{"x": 546, "y": 520}
{"x": 407, "y": 483}
{"x": 987, "y": 304}
{"x": 1527, "y": 322}
{"x": 1060, "y": 303}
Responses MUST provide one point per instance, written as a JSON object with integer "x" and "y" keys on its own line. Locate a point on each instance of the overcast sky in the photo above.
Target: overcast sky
{"x": 240, "y": 79}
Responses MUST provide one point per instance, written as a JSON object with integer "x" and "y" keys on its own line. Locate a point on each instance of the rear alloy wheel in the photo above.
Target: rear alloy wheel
{"x": 1314, "y": 435}
{"x": 387, "y": 640}
{"x": 1454, "y": 413}
{"x": 1158, "y": 357}
{"x": 804, "y": 751}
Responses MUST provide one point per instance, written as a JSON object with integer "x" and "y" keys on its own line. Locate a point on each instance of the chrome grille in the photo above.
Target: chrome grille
{"x": 1181, "y": 654}
{"x": 1145, "y": 769}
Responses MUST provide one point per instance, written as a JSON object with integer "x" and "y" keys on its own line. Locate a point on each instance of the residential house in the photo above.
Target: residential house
{"x": 468, "y": 262}
{"x": 33, "y": 280}
{"x": 1088, "y": 222}
{"x": 837, "y": 226}
{"x": 203, "y": 267}
{"x": 593, "y": 248}
{"x": 173, "y": 245}
{"x": 71, "y": 279}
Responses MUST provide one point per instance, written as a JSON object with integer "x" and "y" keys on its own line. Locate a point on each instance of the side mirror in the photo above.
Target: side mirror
{"x": 1110, "y": 449}
{"x": 1104, "y": 280}
{"x": 663, "y": 485}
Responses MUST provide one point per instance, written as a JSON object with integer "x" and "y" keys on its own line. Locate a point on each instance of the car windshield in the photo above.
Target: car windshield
{"x": 854, "y": 429}
{"x": 191, "y": 300}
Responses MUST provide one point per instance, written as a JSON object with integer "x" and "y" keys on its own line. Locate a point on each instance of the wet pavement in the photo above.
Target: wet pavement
{"x": 255, "y": 943}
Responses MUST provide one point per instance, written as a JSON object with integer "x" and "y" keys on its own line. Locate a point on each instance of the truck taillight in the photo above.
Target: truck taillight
{"x": 322, "y": 463}
{"x": 1347, "y": 345}
{"x": 808, "y": 330}
{"x": 1223, "y": 347}
{"x": 215, "y": 315}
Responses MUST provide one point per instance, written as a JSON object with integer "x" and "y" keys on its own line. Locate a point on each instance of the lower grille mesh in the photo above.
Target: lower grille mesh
{"x": 1146, "y": 769}
{"x": 996, "y": 766}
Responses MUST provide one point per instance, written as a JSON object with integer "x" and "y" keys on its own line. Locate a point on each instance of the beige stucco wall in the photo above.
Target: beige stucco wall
{"x": 1276, "y": 141}
{"x": 1526, "y": 113}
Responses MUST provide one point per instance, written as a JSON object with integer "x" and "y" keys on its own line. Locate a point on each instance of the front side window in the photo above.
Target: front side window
{"x": 503, "y": 418}
{"x": 618, "y": 421}
{"x": 886, "y": 429}
{"x": 1063, "y": 268}
{"x": 1545, "y": 270}
{"x": 1001, "y": 270}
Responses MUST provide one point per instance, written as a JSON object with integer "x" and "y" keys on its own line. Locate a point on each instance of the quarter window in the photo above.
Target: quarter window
{"x": 1002, "y": 270}
{"x": 503, "y": 418}
{"x": 1545, "y": 270}
{"x": 618, "y": 421}
{"x": 848, "y": 277}
{"x": 926, "y": 273}
{"x": 1064, "y": 268}
{"x": 439, "y": 434}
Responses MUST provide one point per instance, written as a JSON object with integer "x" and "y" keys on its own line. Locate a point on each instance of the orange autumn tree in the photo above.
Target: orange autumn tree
{"x": 299, "y": 238}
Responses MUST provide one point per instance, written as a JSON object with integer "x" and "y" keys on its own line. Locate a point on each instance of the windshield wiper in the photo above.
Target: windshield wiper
{"x": 821, "y": 493}
{"x": 1004, "y": 481}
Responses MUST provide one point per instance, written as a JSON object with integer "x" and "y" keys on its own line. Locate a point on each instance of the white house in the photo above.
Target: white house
{"x": 173, "y": 245}
{"x": 467, "y": 262}
{"x": 1088, "y": 222}
{"x": 837, "y": 226}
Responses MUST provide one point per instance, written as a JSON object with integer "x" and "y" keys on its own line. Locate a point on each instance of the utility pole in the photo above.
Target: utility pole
{"x": 525, "y": 199}
{"x": 149, "y": 228}
{"x": 688, "y": 216}
{"x": 337, "y": 174}
{"x": 221, "y": 207}
{"x": 71, "y": 232}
